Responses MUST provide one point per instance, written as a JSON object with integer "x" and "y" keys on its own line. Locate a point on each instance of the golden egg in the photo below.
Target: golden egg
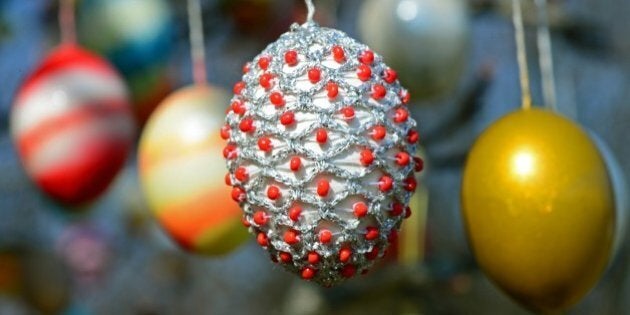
{"x": 539, "y": 209}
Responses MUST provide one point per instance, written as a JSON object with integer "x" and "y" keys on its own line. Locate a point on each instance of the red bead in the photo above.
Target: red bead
{"x": 245, "y": 222}
{"x": 246, "y": 67}
{"x": 285, "y": 257}
{"x": 410, "y": 184}
{"x": 228, "y": 179}
{"x": 291, "y": 58}
{"x": 312, "y": 258}
{"x": 238, "y": 194}
{"x": 407, "y": 212}
{"x": 401, "y": 115}
{"x": 402, "y": 158}
{"x": 238, "y": 108}
{"x": 263, "y": 62}
{"x": 338, "y": 54}
{"x": 366, "y": 157}
{"x": 295, "y": 163}
{"x": 385, "y": 183}
{"x": 348, "y": 112}
{"x": 367, "y": 57}
{"x": 390, "y": 76}
{"x": 241, "y": 174}
{"x": 265, "y": 80}
{"x": 345, "y": 254}
{"x": 264, "y": 143}
{"x": 262, "y": 239}
{"x": 229, "y": 152}
{"x": 238, "y": 87}
{"x": 397, "y": 209}
{"x": 379, "y": 132}
{"x": 405, "y": 97}
{"x": 373, "y": 254}
{"x": 325, "y": 236}
{"x": 225, "y": 132}
{"x": 321, "y": 135}
{"x": 295, "y": 212}
{"x": 418, "y": 164}
{"x": 364, "y": 72}
{"x": 378, "y": 92}
{"x": 360, "y": 209}
{"x": 260, "y": 217}
{"x": 348, "y": 271}
{"x": 287, "y": 118}
{"x": 323, "y": 187}
{"x": 273, "y": 192}
{"x": 333, "y": 90}
{"x": 291, "y": 236}
{"x": 412, "y": 136}
{"x": 371, "y": 233}
{"x": 314, "y": 75}
{"x": 308, "y": 273}
{"x": 276, "y": 99}
{"x": 246, "y": 125}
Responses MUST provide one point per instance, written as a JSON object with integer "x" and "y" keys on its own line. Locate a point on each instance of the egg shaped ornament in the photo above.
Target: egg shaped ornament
{"x": 319, "y": 152}
{"x": 426, "y": 40}
{"x": 181, "y": 173}
{"x": 620, "y": 188}
{"x": 539, "y": 208}
{"x": 137, "y": 37}
{"x": 72, "y": 125}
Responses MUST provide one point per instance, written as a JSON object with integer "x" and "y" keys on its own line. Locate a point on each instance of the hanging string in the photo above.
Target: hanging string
{"x": 546, "y": 56}
{"x": 197, "y": 45}
{"x": 310, "y": 7}
{"x": 67, "y": 24}
{"x": 519, "y": 35}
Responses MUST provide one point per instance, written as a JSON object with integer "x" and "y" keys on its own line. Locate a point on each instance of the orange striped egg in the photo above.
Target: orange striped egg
{"x": 72, "y": 125}
{"x": 182, "y": 172}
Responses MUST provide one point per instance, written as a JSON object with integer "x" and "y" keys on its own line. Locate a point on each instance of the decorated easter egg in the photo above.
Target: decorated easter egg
{"x": 426, "y": 40}
{"x": 182, "y": 174}
{"x": 320, "y": 153}
{"x": 132, "y": 34}
{"x": 539, "y": 208}
{"x": 72, "y": 125}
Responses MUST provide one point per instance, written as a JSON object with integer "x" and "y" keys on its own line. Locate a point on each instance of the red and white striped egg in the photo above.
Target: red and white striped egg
{"x": 319, "y": 152}
{"x": 72, "y": 125}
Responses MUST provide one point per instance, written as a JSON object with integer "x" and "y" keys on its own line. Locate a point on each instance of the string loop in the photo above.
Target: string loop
{"x": 197, "y": 45}
{"x": 67, "y": 24}
{"x": 546, "y": 56}
{"x": 310, "y": 7}
{"x": 521, "y": 54}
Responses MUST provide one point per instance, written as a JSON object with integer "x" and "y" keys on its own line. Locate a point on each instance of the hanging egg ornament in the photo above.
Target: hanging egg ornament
{"x": 539, "y": 208}
{"x": 319, "y": 150}
{"x": 179, "y": 157}
{"x": 136, "y": 36}
{"x": 427, "y": 40}
{"x": 72, "y": 125}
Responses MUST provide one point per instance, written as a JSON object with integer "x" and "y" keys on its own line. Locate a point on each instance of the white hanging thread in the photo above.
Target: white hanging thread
{"x": 521, "y": 54}
{"x": 546, "y": 56}
{"x": 197, "y": 45}
{"x": 67, "y": 21}
{"x": 310, "y": 7}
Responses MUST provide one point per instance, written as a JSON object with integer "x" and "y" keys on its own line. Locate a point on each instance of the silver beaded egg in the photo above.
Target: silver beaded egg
{"x": 319, "y": 153}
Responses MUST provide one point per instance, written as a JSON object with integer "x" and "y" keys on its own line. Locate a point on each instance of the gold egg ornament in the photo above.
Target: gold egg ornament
{"x": 539, "y": 208}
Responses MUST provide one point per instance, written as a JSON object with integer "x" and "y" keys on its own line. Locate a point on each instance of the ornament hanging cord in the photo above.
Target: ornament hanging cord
{"x": 310, "y": 9}
{"x": 67, "y": 24}
{"x": 546, "y": 56}
{"x": 197, "y": 45}
{"x": 521, "y": 54}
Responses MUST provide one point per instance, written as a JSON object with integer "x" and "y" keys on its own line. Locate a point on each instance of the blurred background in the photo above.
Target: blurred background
{"x": 113, "y": 259}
